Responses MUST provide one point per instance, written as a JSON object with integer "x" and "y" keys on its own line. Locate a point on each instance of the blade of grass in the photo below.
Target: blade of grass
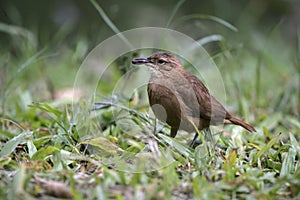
{"x": 179, "y": 147}
{"x": 12, "y": 144}
{"x": 11, "y": 80}
{"x": 208, "y": 17}
{"x": 43, "y": 153}
{"x": 267, "y": 147}
{"x": 177, "y": 6}
{"x": 16, "y": 30}
{"x": 288, "y": 165}
{"x": 203, "y": 41}
{"x": 294, "y": 143}
{"x": 100, "y": 105}
{"x": 53, "y": 113}
{"x": 258, "y": 78}
{"x": 210, "y": 38}
{"x": 261, "y": 60}
{"x": 22, "y": 67}
{"x": 110, "y": 23}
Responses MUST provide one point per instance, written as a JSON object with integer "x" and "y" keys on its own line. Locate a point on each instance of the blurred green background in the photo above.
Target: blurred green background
{"x": 46, "y": 19}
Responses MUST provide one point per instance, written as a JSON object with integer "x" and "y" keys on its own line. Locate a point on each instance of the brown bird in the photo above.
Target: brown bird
{"x": 180, "y": 99}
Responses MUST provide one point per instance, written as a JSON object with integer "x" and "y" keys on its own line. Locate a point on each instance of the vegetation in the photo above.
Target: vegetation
{"x": 114, "y": 149}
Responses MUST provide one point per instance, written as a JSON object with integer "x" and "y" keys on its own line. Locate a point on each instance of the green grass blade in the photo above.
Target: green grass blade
{"x": 208, "y": 17}
{"x": 17, "y": 30}
{"x": 43, "y": 153}
{"x": 23, "y": 67}
{"x": 11, "y": 145}
{"x": 179, "y": 147}
{"x": 267, "y": 147}
{"x": 31, "y": 148}
{"x": 176, "y": 8}
{"x": 110, "y": 23}
{"x": 210, "y": 38}
{"x": 294, "y": 143}
{"x": 288, "y": 165}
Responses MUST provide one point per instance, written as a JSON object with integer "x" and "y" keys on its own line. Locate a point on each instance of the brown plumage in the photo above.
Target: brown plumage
{"x": 178, "y": 97}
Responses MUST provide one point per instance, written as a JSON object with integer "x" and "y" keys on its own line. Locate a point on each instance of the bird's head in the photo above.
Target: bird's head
{"x": 160, "y": 62}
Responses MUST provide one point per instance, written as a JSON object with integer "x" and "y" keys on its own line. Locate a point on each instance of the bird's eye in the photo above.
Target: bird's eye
{"x": 160, "y": 61}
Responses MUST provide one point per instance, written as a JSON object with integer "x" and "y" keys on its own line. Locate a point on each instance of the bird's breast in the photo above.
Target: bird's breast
{"x": 168, "y": 105}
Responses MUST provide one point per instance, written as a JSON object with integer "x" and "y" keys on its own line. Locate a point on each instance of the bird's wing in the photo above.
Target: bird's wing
{"x": 209, "y": 108}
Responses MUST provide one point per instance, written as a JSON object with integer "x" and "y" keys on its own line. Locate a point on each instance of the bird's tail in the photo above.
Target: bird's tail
{"x": 242, "y": 123}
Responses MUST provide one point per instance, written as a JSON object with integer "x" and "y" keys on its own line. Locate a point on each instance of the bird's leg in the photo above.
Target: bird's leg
{"x": 194, "y": 140}
{"x": 208, "y": 136}
{"x": 155, "y": 126}
{"x": 210, "y": 141}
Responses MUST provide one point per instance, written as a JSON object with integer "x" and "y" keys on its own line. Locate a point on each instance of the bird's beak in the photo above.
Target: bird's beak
{"x": 140, "y": 61}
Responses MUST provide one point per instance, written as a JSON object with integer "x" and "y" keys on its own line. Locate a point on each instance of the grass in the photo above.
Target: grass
{"x": 45, "y": 155}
